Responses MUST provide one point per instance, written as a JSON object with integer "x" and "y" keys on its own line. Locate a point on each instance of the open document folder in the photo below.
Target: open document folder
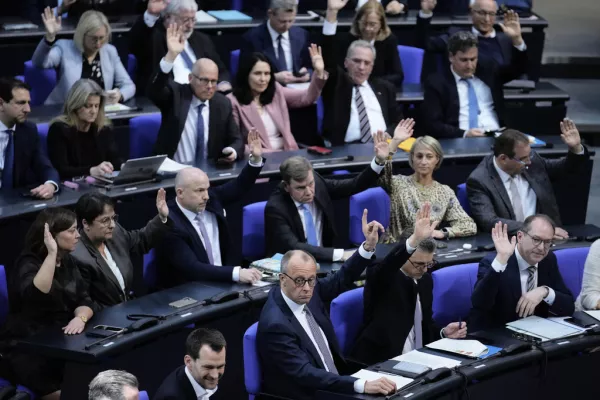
{"x": 367, "y": 375}
{"x": 544, "y": 329}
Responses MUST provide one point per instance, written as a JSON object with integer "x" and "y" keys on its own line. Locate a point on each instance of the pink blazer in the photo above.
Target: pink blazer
{"x": 247, "y": 116}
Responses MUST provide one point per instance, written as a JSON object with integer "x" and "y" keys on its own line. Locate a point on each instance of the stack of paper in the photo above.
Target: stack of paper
{"x": 170, "y": 166}
{"x": 112, "y": 108}
{"x": 467, "y": 348}
{"x": 428, "y": 360}
{"x": 202, "y": 17}
{"x": 542, "y": 328}
{"x": 367, "y": 375}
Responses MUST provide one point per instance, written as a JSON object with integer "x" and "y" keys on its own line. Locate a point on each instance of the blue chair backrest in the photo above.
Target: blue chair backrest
{"x": 463, "y": 199}
{"x": 253, "y": 231}
{"x": 571, "y": 263}
{"x": 412, "y": 63}
{"x": 237, "y": 4}
{"x": 41, "y": 80}
{"x": 346, "y": 313}
{"x": 144, "y": 395}
{"x": 320, "y": 114}
{"x": 377, "y": 201}
{"x": 234, "y": 62}
{"x": 143, "y": 131}
{"x": 452, "y": 289}
{"x": 43, "y": 134}
{"x": 252, "y": 371}
{"x": 3, "y": 295}
{"x": 150, "y": 270}
{"x": 131, "y": 66}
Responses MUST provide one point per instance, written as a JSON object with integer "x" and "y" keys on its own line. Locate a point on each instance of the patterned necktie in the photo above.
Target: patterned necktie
{"x": 9, "y": 161}
{"x": 281, "y": 63}
{"x": 363, "y": 118}
{"x": 323, "y": 348}
{"x": 200, "y": 137}
{"x": 531, "y": 278}
{"x": 204, "y": 233}
{"x": 311, "y": 231}
{"x": 473, "y": 105}
{"x": 516, "y": 201}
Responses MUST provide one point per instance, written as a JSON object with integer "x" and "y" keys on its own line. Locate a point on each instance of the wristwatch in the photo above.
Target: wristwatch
{"x": 446, "y": 234}
{"x": 84, "y": 319}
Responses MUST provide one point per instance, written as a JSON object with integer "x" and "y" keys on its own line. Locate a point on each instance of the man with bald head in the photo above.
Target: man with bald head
{"x": 197, "y": 121}
{"x": 197, "y": 248}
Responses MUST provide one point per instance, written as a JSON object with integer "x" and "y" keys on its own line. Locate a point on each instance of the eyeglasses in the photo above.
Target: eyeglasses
{"x": 206, "y": 81}
{"x": 96, "y": 39}
{"x": 300, "y": 282}
{"x": 537, "y": 241}
{"x": 107, "y": 220}
{"x": 420, "y": 265}
{"x": 484, "y": 14}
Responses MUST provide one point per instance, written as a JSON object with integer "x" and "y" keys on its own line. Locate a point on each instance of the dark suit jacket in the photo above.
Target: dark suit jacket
{"x": 283, "y": 228}
{"x": 441, "y": 94}
{"x": 177, "y": 386}
{"x": 292, "y": 367}
{"x": 182, "y": 255}
{"x": 337, "y": 96}
{"x": 174, "y": 99}
{"x": 31, "y": 166}
{"x": 496, "y": 294}
{"x": 390, "y": 299}
{"x": 258, "y": 39}
{"x": 149, "y": 45}
{"x": 101, "y": 283}
{"x": 490, "y": 202}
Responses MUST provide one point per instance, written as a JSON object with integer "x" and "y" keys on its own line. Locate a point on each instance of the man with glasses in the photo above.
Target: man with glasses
{"x": 516, "y": 182}
{"x": 197, "y": 122}
{"x": 398, "y": 299}
{"x": 521, "y": 279}
{"x": 297, "y": 346}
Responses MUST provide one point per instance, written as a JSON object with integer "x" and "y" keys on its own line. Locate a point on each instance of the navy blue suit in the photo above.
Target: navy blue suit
{"x": 181, "y": 254}
{"x": 291, "y": 365}
{"x": 258, "y": 39}
{"x": 31, "y": 165}
{"x": 496, "y": 294}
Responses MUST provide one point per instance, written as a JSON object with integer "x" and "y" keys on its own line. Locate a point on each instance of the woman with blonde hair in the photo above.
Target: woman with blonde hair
{"x": 87, "y": 56}
{"x": 80, "y": 141}
{"x": 408, "y": 193}
{"x": 370, "y": 24}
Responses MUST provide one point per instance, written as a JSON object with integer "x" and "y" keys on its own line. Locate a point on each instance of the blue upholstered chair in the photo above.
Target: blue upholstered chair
{"x": 571, "y": 263}
{"x": 144, "y": 395}
{"x": 131, "y": 66}
{"x": 452, "y": 289}
{"x": 252, "y": 371}
{"x": 346, "y": 313}
{"x": 43, "y": 134}
{"x": 412, "y": 63}
{"x": 3, "y": 295}
{"x": 234, "y": 62}
{"x": 253, "y": 231}
{"x": 463, "y": 199}
{"x": 41, "y": 80}
{"x": 150, "y": 270}
{"x": 377, "y": 201}
{"x": 143, "y": 131}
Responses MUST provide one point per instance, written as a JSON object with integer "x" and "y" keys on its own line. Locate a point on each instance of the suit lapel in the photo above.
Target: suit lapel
{"x": 186, "y": 225}
{"x": 293, "y": 211}
{"x": 514, "y": 276}
{"x": 537, "y": 188}
{"x": 454, "y": 100}
{"x": 186, "y": 101}
{"x": 100, "y": 262}
{"x": 499, "y": 186}
{"x": 267, "y": 44}
{"x": 381, "y": 98}
{"x": 294, "y": 43}
{"x": 107, "y": 68}
{"x": 212, "y": 129}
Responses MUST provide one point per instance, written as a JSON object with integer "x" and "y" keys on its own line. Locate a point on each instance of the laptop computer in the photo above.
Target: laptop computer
{"x": 138, "y": 170}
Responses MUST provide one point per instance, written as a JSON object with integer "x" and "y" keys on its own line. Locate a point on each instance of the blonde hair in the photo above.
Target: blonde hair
{"x": 371, "y": 7}
{"x": 90, "y": 21}
{"x": 431, "y": 144}
{"x": 77, "y": 98}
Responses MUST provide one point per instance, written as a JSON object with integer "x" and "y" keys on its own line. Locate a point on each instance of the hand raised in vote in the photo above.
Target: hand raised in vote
{"x": 49, "y": 241}
{"x": 316, "y": 56}
{"x": 403, "y": 131}
{"x": 336, "y": 5}
{"x": 505, "y": 247}
{"x": 371, "y": 231}
{"x": 512, "y": 27}
{"x": 161, "y": 204}
{"x": 424, "y": 228}
{"x": 570, "y": 135}
{"x": 455, "y": 331}
{"x": 256, "y": 150}
{"x": 394, "y": 7}
{"x": 52, "y": 24}
{"x": 155, "y": 7}
{"x": 380, "y": 386}
{"x": 381, "y": 146}
{"x": 175, "y": 42}
{"x": 427, "y": 6}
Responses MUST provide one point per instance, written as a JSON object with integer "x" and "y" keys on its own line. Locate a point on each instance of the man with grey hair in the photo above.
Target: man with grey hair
{"x": 114, "y": 385}
{"x": 398, "y": 301}
{"x": 149, "y": 42}
{"x": 356, "y": 104}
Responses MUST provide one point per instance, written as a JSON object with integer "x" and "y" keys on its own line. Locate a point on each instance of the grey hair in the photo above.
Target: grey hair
{"x": 285, "y": 5}
{"x": 174, "y": 7}
{"x": 295, "y": 168}
{"x": 109, "y": 384}
{"x": 432, "y": 144}
{"x": 307, "y": 257}
{"x": 360, "y": 44}
{"x": 461, "y": 41}
{"x": 88, "y": 22}
{"x": 427, "y": 246}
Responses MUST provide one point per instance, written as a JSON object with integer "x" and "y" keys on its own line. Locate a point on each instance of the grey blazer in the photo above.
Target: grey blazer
{"x": 67, "y": 59}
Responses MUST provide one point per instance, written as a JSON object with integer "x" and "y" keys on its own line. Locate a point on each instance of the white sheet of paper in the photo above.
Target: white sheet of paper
{"x": 429, "y": 360}
{"x": 594, "y": 314}
{"x": 261, "y": 283}
{"x": 468, "y": 348}
{"x": 171, "y": 166}
{"x": 116, "y": 107}
{"x": 367, "y": 375}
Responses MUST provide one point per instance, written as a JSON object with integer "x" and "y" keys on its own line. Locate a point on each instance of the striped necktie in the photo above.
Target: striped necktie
{"x": 531, "y": 278}
{"x": 320, "y": 341}
{"x": 363, "y": 118}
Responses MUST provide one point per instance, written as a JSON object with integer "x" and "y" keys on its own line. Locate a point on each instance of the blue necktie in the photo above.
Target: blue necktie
{"x": 9, "y": 161}
{"x": 311, "y": 232}
{"x": 473, "y": 106}
{"x": 187, "y": 60}
{"x": 200, "y": 137}
{"x": 281, "y": 55}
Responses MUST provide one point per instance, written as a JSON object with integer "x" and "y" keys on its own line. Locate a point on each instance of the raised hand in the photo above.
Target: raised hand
{"x": 64, "y": 7}
{"x": 336, "y": 5}
{"x": 52, "y": 24}
{"x": 381, "y": 146}
{"x": 394, "y": 7}
{"x": 403, "y": 131}
{"x": 161, "y": 204}
{"x": 255, "y": 144}
{"x": 504, "y": 247}
{"x": 49, "y": 241}
{"x": 570, "y": 135}
{"x": 175, "y": 42}
{"x": 512, "y": 27}
{"x": 155, "y": 7}
{"x": 371, "y": 231}
{"x": 424, "y": 228}
{"x": 316, "y": 57}
{"x": 427, "y": 6}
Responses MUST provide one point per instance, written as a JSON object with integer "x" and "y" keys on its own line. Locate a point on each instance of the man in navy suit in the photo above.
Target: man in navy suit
{"x": 522, "y": 279}
{"x": 196, "y": 248}
{"x": 22, "y": 160}
{"x": 297, "y": 346}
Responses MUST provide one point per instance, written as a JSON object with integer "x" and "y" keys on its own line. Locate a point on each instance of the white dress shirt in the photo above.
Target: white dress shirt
{"x": 285, "y": 44}
{"x": 201, "y": 393}
{"x": 524, "y": 275}
{"x": 212, "y": 230}
{"x": 528, "y": 196}
{"x": 114, "y": 268}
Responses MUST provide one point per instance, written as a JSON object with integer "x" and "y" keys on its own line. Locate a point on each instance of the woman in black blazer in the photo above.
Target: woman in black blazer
{"x": 80, "y": 141}
{"x": 371, "y": 25}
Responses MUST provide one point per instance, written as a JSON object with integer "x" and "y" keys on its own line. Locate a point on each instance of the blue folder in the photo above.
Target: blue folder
{"x": 230, "y": 15}
{"x": 491, "y": 351}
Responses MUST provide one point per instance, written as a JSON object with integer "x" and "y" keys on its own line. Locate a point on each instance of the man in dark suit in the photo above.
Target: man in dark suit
{"x": 148, "y": 43}
{"x": 398, "y": 303}
{"x": 22, "y": 160}
{"x": 522, "y": 279}
{"x": 285, "y": 45}
{"x": 299, "y": 213}
{"x": 197, "y": 121}
{"x": 296, "y": 343}
{"x": 467, "y": 99}
{"x": 515, "y": 182}
{"x": 392, "y": 7}
{"x": 198, "y": 248}
{"x": 356, "y": 104}
{"x": 204, "y": 366}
